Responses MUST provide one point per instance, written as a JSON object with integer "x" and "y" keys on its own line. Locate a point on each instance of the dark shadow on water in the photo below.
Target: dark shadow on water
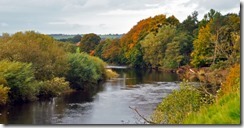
{"x": 80, "y": 106}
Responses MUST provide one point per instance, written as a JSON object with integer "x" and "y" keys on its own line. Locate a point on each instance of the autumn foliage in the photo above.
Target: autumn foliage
{"x": 232, "y": 82}
{"x": 34, "y": 66}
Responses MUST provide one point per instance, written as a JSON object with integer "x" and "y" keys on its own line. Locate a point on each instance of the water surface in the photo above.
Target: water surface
{"x": 140, "y": 89}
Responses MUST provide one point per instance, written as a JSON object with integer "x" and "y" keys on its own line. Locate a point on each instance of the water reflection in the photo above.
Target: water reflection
{"x": 139, "y": 76}
{"x": 108, "y": 104}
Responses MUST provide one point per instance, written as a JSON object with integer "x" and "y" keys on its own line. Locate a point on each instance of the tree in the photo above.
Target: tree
{"x": 203, "y": 48}
{"x": 190, "y": 25}
{"x": 139, "y": 33}
{"x": 84, "y": 70}
{"x": 178, "y": 51}
{"x": 111, "y": 50}
{"x": 100, "y": 48}
{"x": 76, "y": 38}
{"x": 135, "y": 57}
{"x": 88, "y": 42}
{"x": 47, "y": 57}
{"x": 228, "y": 47}
{"x": 173, "y": 20}
{"x": 19, "y": 78}
{"x": 154, "y": 46}
{"x": 217, "y": 41}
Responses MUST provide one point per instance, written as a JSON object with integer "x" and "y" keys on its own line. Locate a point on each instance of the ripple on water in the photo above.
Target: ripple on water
{"x": 145, "y": 98}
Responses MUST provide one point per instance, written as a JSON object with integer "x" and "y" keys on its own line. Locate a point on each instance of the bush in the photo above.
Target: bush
{"x": 220, "y": 65}
{"x": 54, "y": 87}
{"x": 225, "y": 111}
{"x": 47, "y": 56}
{"x": 232, "y": 82}
{"x": 176, "y": 106}
{"x": 19, "y": 77}
{"x": 84, "y": 70}
{"x": 3, "y": 94}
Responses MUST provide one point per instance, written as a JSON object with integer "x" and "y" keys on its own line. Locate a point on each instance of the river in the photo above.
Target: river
{"x": 109, "y": 104}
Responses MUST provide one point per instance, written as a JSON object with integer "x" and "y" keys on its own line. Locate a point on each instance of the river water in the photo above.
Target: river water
{"x": 109, "y": 104}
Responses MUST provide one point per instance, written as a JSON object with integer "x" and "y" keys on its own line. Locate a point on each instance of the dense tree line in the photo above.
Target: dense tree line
{"x": 74, "y": 39}
{"x": 164, "y": 42}
{"x": 34, "y": 66}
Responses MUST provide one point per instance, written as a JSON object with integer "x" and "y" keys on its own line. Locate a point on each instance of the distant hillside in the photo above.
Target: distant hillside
{"x": 61, "y": 36}
{"x": 65, "y": 36}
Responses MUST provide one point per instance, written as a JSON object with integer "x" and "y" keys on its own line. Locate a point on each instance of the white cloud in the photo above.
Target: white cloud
{"x": 98, "y": 16}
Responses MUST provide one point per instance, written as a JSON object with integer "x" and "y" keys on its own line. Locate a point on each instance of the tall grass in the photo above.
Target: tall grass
{"x": 225, "y": 111}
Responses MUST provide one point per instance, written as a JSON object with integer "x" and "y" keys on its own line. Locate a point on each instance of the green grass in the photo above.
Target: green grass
{"x": 225, "y": 111}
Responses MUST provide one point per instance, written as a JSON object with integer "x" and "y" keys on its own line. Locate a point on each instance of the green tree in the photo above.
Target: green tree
{"x": 84, "y": 70}
{"x": 203, "y": 48}
{"x": 135, "y": 57}
{"x": 173, "y": 20}
{"x": 76, "y": 38}
{"x": 49, "y": 59}
{"x": 217, "y": 41}
{"x": 178, "y": 51}
{"x": 19, "y": 77}
{"x": 100, "y": 48}
{"x": 228, "y": 47}
{"x": 190, "y": 24}
{"x": 89, "y": 42}
{"x": 154, "y": 46}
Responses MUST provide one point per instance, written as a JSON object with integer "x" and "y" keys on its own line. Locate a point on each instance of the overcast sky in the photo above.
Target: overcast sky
{"x": 97, "y": 16}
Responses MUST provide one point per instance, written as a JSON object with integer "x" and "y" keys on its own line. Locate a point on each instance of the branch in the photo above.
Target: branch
{"x": 205, "y": 90}
{"x": 148, "y": 121}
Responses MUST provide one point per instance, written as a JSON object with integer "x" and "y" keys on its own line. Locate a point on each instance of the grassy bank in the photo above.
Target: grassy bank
{"x": 190, "y": 105}
{"x": 225, "y": 111}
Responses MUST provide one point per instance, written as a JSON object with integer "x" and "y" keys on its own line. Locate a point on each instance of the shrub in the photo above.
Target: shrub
{"x": 220, "y": 65}
{"x": 84, "y": 70}
{"x": 19, "y": 77}
{"x": 53, "y": 87}
{"x": 176, "y": 106}
{"x": 225, "y": 111}
{"x": 232, "y": 82}
{"x": 3, "y": 94}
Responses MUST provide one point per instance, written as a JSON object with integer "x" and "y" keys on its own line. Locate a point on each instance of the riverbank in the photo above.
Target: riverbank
{"x": 189, "y": 105}
{"x": 203, "y": 74}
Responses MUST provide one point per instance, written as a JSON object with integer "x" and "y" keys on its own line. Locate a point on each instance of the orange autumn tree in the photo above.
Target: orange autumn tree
{"x": 130, "y": 42}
